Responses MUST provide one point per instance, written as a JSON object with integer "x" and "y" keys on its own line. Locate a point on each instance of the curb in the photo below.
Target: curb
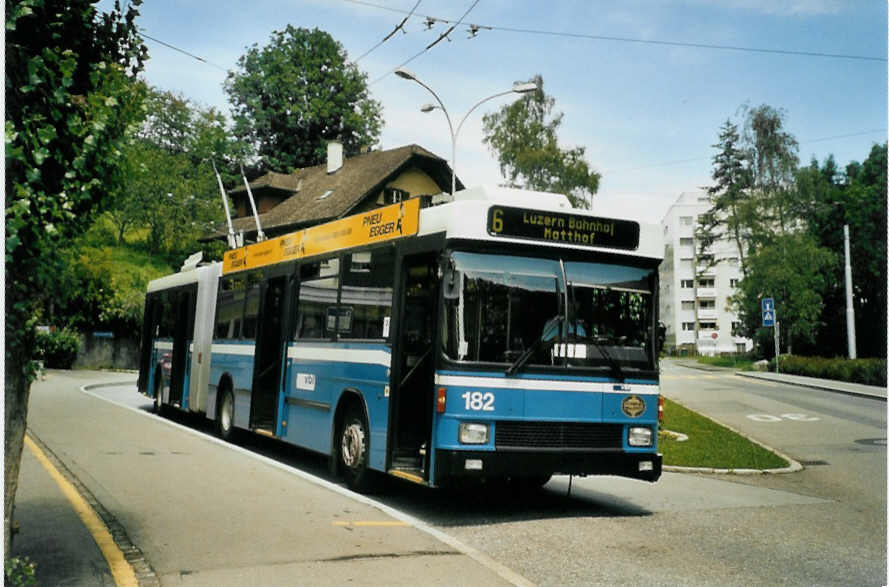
{"x": 794, "y": 466}
{"x": 821, "y": 387}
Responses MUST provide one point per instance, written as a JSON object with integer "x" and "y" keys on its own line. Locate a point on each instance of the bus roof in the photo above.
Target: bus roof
{"x": 482, "y": 213}
{"x": 524, "y": 215}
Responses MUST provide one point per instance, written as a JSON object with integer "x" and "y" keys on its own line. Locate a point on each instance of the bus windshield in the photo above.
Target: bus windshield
{"x": 525, "y": 312}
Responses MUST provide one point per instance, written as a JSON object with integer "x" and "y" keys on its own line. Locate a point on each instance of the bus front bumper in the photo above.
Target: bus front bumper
{"x": 452, "y": 464}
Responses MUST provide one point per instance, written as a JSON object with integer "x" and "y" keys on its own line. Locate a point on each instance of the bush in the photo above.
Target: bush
{"x": 865, "y": 371}
{"x": 58, "y": 350}
{"x": 20, "y": 572}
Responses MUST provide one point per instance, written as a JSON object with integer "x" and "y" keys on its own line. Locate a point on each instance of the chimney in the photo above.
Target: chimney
{"x": 334, "y": 156}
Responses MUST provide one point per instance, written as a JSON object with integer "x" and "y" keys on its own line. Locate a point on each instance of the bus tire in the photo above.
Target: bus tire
{"x": 225, "y": 414}
{"x": 158, "y": 393}
{"x": 352, "y": 450}
{"x": 531, "y": 483}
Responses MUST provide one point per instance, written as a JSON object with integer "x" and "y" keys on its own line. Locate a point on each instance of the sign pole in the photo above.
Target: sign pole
{"x": 777, "y": 342}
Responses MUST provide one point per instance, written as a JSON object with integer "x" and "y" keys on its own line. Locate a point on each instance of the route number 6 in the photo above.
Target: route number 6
{"x": 478, "y": 401}
{"x": 771, "y": 418}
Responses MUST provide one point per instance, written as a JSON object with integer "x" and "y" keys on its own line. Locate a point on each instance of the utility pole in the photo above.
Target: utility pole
{"x": 850, "y": 308}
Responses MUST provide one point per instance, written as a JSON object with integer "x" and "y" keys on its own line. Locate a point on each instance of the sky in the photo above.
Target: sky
{"x": 643, "y": 85}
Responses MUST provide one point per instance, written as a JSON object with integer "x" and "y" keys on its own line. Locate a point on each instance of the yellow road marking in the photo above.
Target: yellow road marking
{"x": 382, "y": 523}
{"x": 121, "y": 571}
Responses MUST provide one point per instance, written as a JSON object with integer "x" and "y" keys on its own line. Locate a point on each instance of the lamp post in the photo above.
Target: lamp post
{"x": 850, "y": 307}
{"x": 516, "y": 89}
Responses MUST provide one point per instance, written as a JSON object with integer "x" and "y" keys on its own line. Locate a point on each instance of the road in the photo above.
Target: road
{"x": 825, "y": 525}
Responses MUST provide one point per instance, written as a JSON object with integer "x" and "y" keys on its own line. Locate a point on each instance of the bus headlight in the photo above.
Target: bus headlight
{"x": 639, "y": 436}
{"x": 473, "y": 433}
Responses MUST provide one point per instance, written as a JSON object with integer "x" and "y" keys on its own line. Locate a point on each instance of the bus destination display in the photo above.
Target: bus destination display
{"x": 561, "y": 228}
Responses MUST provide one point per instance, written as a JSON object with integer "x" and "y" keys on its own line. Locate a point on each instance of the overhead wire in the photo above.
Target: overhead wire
{"x": 183, "y": 51}
{"x": 428, "y": 47}
{"x": 806, "y": 142}
{"x": 623, "y": 39}
{"x": 399, "y": 27}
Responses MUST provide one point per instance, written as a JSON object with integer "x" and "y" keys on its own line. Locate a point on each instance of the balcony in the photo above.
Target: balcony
{"x": 709, "y": 335}
{"x": 706, "y": 292}
{"x": 707, "y": 314}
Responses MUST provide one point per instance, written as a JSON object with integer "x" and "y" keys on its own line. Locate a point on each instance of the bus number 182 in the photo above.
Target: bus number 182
{"x": 478, "y": 401}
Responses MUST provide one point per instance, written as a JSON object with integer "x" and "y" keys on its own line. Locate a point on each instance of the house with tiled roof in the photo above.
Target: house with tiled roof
{"x": 340, "y": 187}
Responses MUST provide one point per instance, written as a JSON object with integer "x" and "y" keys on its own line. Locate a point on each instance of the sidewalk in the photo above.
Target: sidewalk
{"x": 51, "y": 534}
{"x": 856, "y": 389}
{"x": 203, "y": 512}
{"x": 823, "y": 384}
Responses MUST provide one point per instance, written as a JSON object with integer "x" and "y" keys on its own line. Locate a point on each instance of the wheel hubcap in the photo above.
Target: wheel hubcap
{"x": 353, "y": 445}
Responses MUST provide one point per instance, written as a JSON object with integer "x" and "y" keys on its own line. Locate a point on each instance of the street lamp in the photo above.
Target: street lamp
{"x": 517, "y": 88}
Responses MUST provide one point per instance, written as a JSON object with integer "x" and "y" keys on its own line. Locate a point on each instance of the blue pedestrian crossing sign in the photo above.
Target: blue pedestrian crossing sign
{"x": 768, "y": 312}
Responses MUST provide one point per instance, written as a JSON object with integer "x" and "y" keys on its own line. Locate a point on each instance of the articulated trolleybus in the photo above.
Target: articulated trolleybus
{"x": 501, "y": 335}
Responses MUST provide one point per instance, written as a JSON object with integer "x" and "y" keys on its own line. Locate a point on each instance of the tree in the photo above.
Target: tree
{"x": 524, "y": 137}
{"x": 793, "y": 270}
{"x": 71, "y": 96}
{"x": 292, "y": 96}
{"x": 170, "y": 186}
{"x": 865, "y": 213}
{"x": 771, "y": 153}
{"x": 731, "y": 207}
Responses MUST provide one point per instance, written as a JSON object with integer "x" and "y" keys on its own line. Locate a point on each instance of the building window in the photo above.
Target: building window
{"x": 710, "y": 304}
{"x": 708, "y": 326}
{"x": 393, "y": 196}
{"x": 736, "y": 328}
{"x": 686, "y": 220}
{"x": 688, "y": 326}
{"x": 686, "y": 242}
{"x": 688, "y": 305}
{"x": 707, "y": 282}
{"x": 687, "y": 283}
{"x": 734, "y": 282}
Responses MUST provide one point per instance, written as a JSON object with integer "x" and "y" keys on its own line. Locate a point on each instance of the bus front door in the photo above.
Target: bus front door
{"x": 414, "y": 369}
{"x": 269, "y": 357}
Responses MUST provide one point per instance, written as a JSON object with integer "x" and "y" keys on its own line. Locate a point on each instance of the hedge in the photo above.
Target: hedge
{"x": 58, "y": 349}
{"x": 865, "y": 371}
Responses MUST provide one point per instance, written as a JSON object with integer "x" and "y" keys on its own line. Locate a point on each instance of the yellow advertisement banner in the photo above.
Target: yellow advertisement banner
{"x": 382, "y": 224}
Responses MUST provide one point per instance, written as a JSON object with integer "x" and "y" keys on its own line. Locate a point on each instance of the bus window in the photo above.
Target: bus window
{"x": 251, "y": 311}
{"x": 319, "y": 282}
{"x": 366, "y": 300}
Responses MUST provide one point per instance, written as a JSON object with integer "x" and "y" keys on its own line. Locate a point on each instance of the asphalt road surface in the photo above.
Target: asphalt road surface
{"x": 825, "y": 525}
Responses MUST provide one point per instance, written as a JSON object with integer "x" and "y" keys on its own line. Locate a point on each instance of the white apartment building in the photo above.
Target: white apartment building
{"x": 684, "y": 298}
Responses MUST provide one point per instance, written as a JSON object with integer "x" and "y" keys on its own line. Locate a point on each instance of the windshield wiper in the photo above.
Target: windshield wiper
{"x": 612, "y": 362}
{"x": 526, "y": 355}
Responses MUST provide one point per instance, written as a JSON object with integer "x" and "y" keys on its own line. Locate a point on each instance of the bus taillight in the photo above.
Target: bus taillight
{"x": 441, "y": 399}
{"x": 660, "y": 409}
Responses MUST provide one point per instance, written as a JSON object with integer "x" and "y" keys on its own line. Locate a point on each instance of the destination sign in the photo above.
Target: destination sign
{"x": 561, "y": 228}
{"x": 382, "y": 224}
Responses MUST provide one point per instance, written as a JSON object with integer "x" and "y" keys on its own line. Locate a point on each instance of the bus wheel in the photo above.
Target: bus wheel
{"x": 352, "y": 454}
{"x": 225, "y": 415}
{"x": 158, "y": 389}
{"x": 531, "y": 483}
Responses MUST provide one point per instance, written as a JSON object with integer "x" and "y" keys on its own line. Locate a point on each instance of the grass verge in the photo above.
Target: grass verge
{"x": 740, "y": 364}
{"x": 710, "y": 444}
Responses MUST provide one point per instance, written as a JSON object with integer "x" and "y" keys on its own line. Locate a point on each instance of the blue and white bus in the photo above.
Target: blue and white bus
{"x": 502, "y": 335}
